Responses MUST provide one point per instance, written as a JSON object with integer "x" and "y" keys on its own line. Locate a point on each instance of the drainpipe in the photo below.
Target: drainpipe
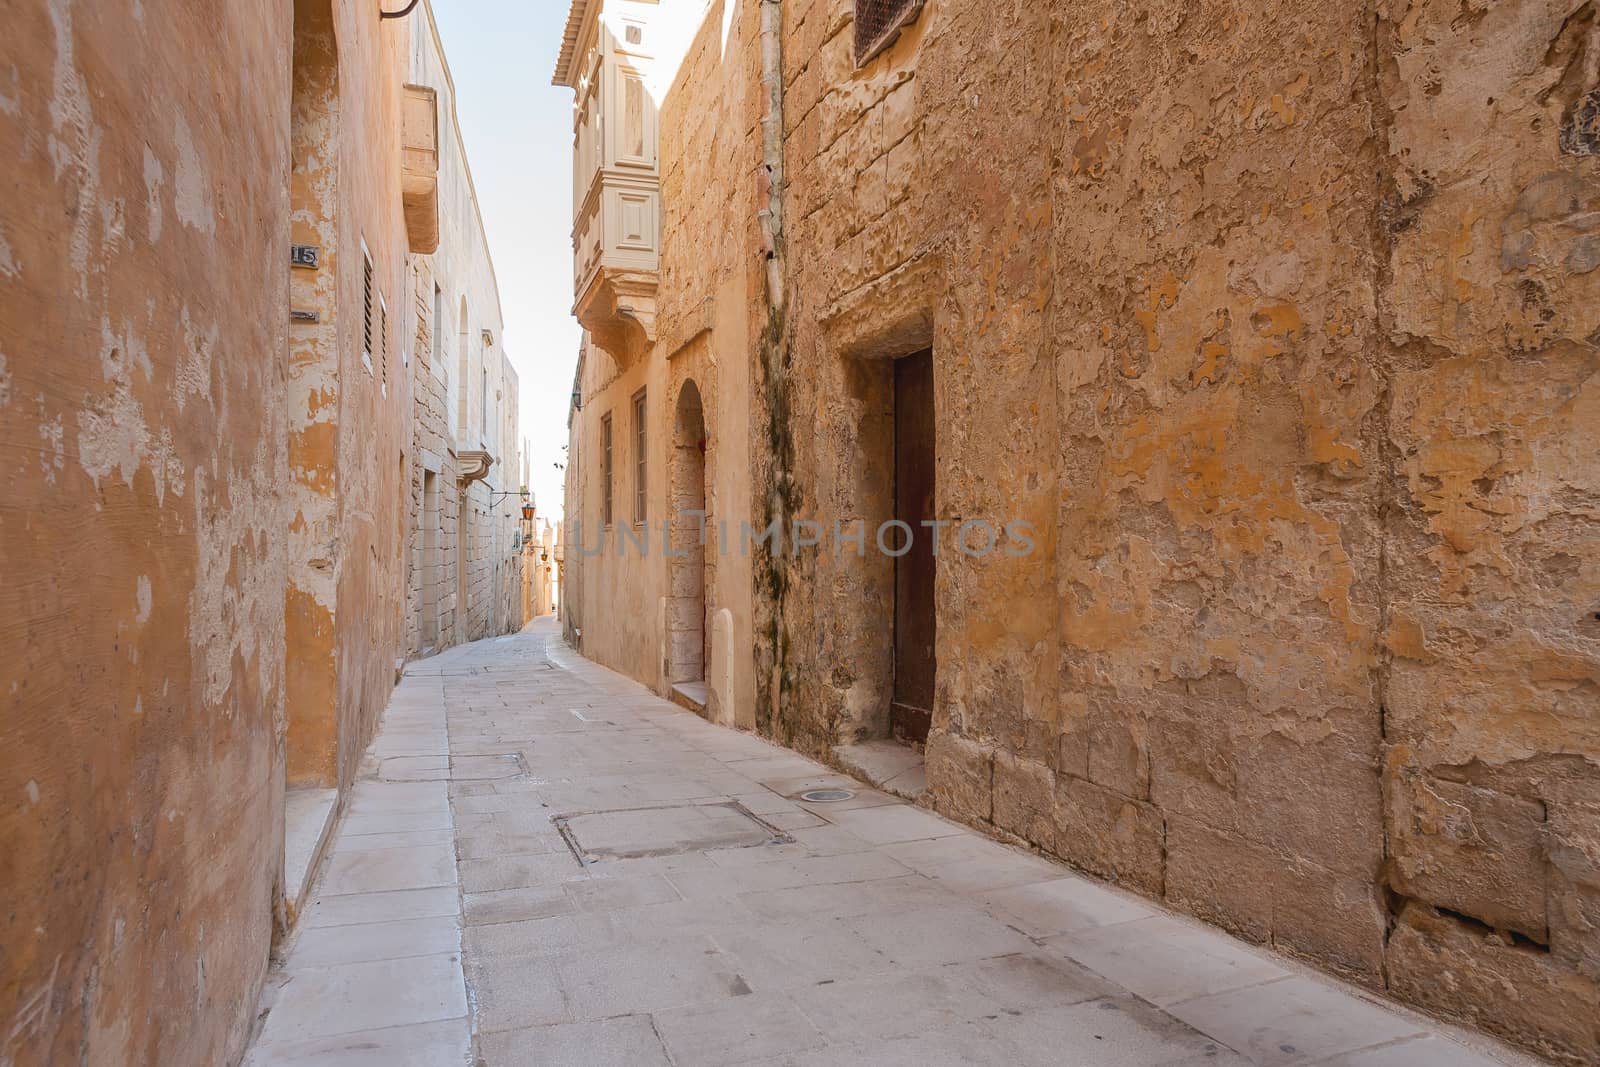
{"x": 774, "y": 352}
{"x": 772, "y": 145}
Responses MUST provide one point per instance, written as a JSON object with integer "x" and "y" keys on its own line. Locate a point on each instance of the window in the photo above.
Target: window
{"x": 878, "y": 23}
{"x": 605, "y": 470}
{"x": 638, "y": 457}
{"x": 435, "y": 339}
{"x": 633, "y": 116}
{"x": 366, "y": 307}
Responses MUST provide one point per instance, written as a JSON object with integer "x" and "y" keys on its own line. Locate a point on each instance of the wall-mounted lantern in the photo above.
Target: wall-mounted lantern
{"x": 527, "y": 512}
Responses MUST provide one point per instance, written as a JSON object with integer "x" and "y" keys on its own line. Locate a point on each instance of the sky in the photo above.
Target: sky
{"x": 518, "y": 132}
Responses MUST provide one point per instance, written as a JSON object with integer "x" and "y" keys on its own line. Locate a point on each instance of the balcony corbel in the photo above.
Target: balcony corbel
{"x": 618, "y": 308}
{"x": 472, "y": 466}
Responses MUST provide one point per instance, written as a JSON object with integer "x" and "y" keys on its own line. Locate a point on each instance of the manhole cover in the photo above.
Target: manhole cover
{"x": 825, "y": 796}
{"x": 638, "y": 832}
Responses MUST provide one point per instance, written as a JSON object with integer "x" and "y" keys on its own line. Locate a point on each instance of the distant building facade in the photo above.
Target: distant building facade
{"x": 666, "y": 290}
{"x": 464, "y": 563}
{"x": 1274, "y": 333}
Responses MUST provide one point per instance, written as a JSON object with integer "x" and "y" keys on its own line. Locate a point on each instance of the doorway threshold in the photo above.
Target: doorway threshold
{"x": 308, "y": 817}
{"x": 691, "y": 695}
{"x": 888, "y": 765}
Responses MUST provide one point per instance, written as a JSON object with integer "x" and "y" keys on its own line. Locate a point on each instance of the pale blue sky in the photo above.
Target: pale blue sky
{"x": 518, "y": 131}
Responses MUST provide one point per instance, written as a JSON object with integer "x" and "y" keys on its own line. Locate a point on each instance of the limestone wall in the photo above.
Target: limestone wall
{"x": 1489, "y": 316}
{"x": 431, "y": 588}
{"x": 1278, "y": 324}
{"x": 1276, "y": 327}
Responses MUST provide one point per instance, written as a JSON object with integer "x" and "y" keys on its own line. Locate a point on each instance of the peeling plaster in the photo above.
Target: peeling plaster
{"x": 74, "y": 141}
{"x": 9, "y": 100}
{"x": 195, "y": 361}
{"x": 142, "y": 598}
{"x": 191, "y": 197}
{"x": 237, "y": 599}
{"x": 112, "y": 437}
{"x": 52, "y": 457}
{"x": 8, "y": 262}
{"x": 153, "y": 176}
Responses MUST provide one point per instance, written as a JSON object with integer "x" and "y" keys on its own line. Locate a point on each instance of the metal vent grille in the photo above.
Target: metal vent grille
{"x": 878, "y": 23}
{"x": 366, "y": 306}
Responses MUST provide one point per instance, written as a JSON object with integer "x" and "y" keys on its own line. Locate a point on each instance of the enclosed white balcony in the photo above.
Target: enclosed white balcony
{"x": 606, "y": 58}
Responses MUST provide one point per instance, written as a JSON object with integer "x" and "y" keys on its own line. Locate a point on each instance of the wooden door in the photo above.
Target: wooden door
{"x": 912, "y": 709}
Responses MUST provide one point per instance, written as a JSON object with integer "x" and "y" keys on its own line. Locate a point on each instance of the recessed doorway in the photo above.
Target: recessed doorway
{"x": 911, "y": 710}
{"x": 688, "y": 653}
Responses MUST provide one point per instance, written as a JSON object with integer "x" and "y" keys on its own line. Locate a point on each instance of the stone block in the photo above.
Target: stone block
{"x": 1574, "y": 901}
{"x": 899, "y": 112}
{"x": 1109, "y": 834}
{"x": 1116, "y": 755}
{"x": 1467, "y": 972}
{"x": 901, "y": 167}
{"x": 1072, "y": 750}
{"x": 1221, "y": 878}
{"x": 871, "y": 191}
{"x": 960, "y": 777}
{"x": 1299, "y": 907}
{"x": 1316, "y": 798}
{"x": 1024, "y": 799}
{"x": 1469, "y": 849}
{"x": 1334, "y": 920}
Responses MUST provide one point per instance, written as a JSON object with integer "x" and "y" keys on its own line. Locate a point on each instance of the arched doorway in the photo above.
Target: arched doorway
{"x": 693, "y": 543}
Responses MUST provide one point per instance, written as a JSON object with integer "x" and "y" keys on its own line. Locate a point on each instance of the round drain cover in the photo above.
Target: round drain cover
{"x": 823, "y": 796}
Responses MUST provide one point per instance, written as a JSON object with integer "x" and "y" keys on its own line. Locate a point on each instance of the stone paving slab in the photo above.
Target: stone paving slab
{"x": 454, "y": 924}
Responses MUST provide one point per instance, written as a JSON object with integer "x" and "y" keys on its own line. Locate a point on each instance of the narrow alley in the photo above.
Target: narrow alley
{"x": 830, "y": 532}
{"x": 720, "y": 916}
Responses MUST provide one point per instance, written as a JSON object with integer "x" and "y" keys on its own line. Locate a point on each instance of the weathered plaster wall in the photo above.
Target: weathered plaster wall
{"x": 181, "y": 496}
{"x": 375, "y": 406}
{"x": 1278, "y": 324}
{"x": 143, "y": 290}
{"x": 350, "y": 406}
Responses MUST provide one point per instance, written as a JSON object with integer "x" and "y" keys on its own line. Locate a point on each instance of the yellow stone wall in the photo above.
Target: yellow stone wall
{"x": 1278, "y": 323}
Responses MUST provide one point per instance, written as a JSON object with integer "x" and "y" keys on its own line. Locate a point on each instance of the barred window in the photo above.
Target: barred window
{"x": 383, "y": 340}
{"x": 638, "y": 457}
{"x": 605, "y": 470}
{"x": 878, "y": 23}
{"x": 366, "y": 305}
